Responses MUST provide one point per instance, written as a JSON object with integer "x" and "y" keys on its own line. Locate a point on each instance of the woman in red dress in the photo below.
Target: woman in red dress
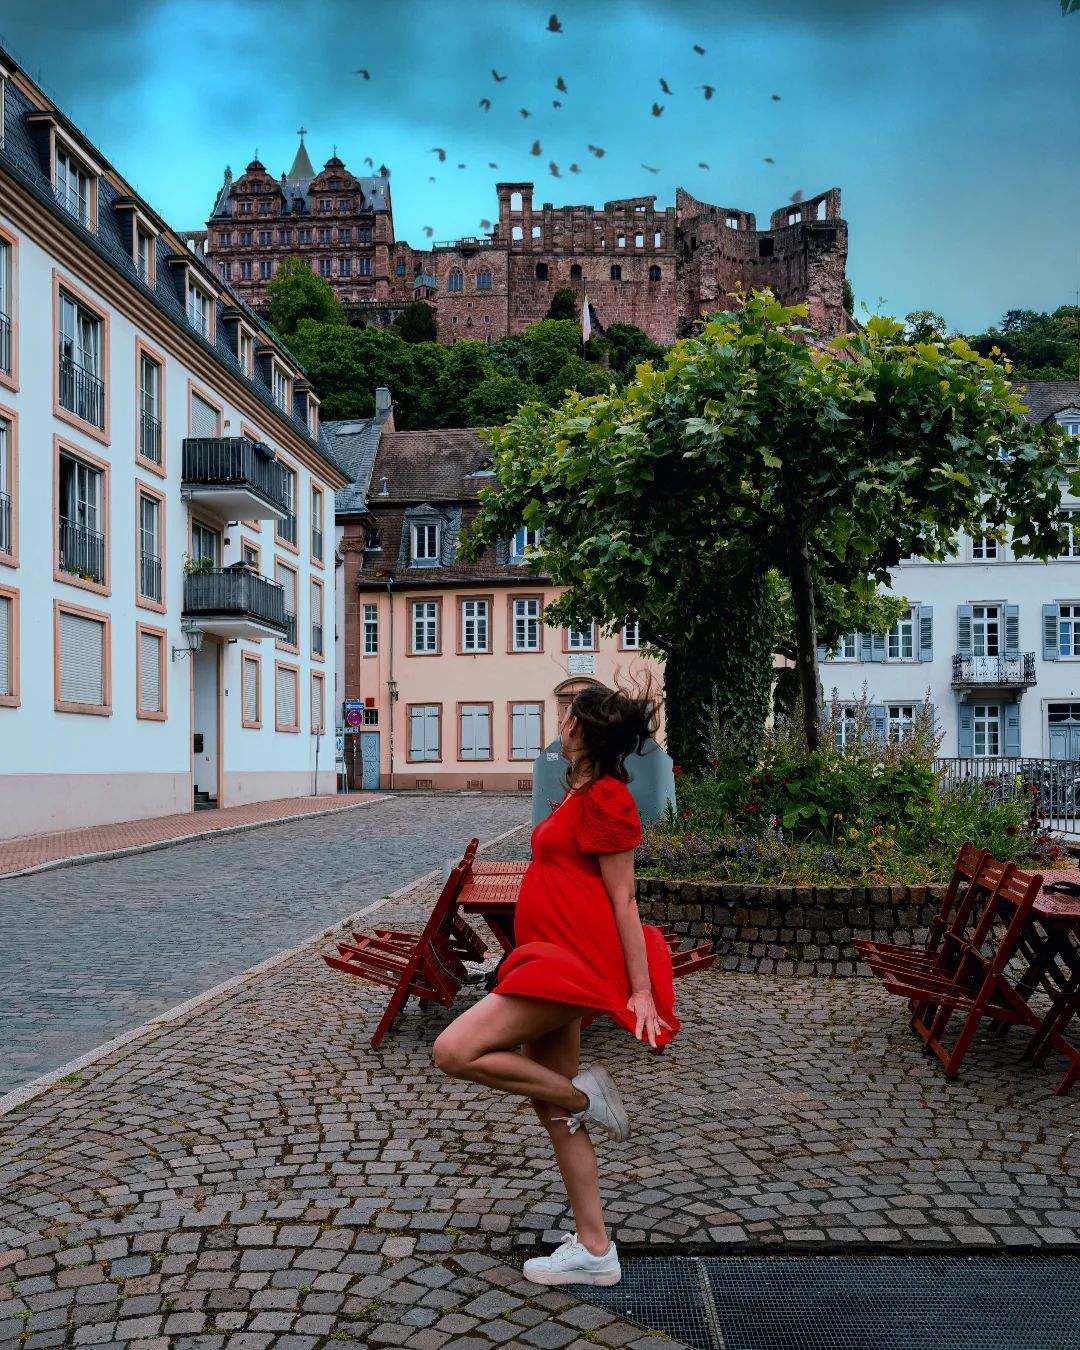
{"x": 581, "y": 950}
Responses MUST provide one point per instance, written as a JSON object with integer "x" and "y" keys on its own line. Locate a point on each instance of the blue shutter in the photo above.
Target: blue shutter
{"x": 865, "y": 646}
{"x": 877, "y": 645}
{"x": 1012, "y": 630}
{"x": 1011, "y": 712}
{"x": 822, "y": 652}
{"x": 1050, "y": 632}
{"x": 502, "y": 552}
{"x": 965, "y": 743}
{"x": 925, "y": 618}
{"x": 879, "y": 722}
{"x": 963, "y": 630}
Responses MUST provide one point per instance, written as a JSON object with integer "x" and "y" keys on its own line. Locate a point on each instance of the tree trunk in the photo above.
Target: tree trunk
{"x": 802, "y": 598}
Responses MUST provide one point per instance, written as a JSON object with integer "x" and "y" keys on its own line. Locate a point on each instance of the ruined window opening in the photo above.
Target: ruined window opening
{"x": 620, "y": 242}
{"x": 616, "y": 272}
{"x": 575, "y": 272}
{"x": 822, "y": 209}
{"x": 733, "y": 222}
{"x": 793, "y": 217}
{"x": 654, "y": 273}
{"x": 536, "y": 231}
{"x": 541, "y": 271}
{"x": 657, "y": 239}
{"x": 516, "y": 233}
{"x": 515, "y": 201}
{"x": 639, "y": 241}
{"x": 765, "y": 248}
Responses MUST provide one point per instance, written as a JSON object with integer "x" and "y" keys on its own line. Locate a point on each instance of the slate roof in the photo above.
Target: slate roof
{"x": 355, "y": 444}
{"x": 1046, "y": 398}
{"x": 429, "y": 466}
{"x": 19, "y": 156}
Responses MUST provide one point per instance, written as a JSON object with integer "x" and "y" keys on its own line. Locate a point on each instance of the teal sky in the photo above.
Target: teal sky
{"x": 952, "y": 128}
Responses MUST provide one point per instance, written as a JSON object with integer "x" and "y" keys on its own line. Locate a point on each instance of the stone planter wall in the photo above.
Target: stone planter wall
{"x": 789, "y": 930}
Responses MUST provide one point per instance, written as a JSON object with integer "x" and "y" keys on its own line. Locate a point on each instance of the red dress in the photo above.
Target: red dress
{"x": 568, "y": 948}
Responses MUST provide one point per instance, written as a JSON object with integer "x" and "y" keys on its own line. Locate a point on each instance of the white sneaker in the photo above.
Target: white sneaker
{"x": 605, "y": 1107}
{"x": 572, "y": 1263}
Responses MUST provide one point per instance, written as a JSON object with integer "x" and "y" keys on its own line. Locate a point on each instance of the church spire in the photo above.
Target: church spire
{"x": 301, "y": 165}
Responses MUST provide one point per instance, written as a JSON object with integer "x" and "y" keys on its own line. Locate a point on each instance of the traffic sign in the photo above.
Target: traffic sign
{"x": 354, "y": 716}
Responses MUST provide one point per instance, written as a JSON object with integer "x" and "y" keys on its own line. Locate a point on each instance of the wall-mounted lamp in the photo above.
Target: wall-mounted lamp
{"x": 392, "y": 690}
{"x": 193, "y": 635}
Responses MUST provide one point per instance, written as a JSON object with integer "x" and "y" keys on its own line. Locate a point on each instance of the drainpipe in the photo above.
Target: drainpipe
{"x": 391, "y": 683}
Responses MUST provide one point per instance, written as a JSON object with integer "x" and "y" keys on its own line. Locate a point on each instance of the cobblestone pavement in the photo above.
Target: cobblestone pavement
{"x": 254, "y": 1174}
{"x": 89, "y": 952}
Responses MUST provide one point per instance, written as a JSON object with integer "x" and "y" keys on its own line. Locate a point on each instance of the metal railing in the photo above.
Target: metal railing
{"x": 74, "y": 205}
{"x": 82, "y": 551}
{"x": 316, "y": 639}
{"x": 286, "y": 527}
{"x": 5, "y": 343}
{"x": 290, "y": 628}
{"x": 1015, "y": 669}
{"x": 235, "y": 590}
{"x": 150, "y": 437}
{"x": 226, "y": 461}
{"x": 316, "y": 544}
{"x": 1048, "y": 788}
{"x": 5, "y": 523}
{"x": 81, "y": 392}
{"x": 150, "y": 576}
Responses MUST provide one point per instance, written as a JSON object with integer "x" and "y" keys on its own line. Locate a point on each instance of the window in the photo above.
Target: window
{"x": 732, "y": 222}
{"x": 81, "y": 678}
{"x": 425, "y": 731}
{"x": 847, "y": 649}
{"x": 344, "y": 267}
{"x": 1071, "y": 428}
{"x": 765, "y": 248}
{"x": 536, "y": 232}
{"x": 144, "y": 256}
{"x": 1071, "y": 521}
{"x": 285, "y": 236}
{"x": 654, "y": 273}
{"x": 475, "y": 625}
{"x": 541, "y": 271}
{"x": 483, "y": 279}
{"x": 399, "y": 268}
{"x": 900, "y": 720}
{"x": 7, "y": 489}
{"x": 425, "y": 627}
{"x": 371, "y": 629}
{"x": 224, "y": 239}
{"x": 317, "y": 648}
{"x": 286, "y": 698}
{"x": 516, "y": 232}
{"x": 285, "y": 529}
{"x": 986, "y": 730}
{"x": 150, "y": 525}
{"x": 205, "y": 544}
{"x": 264, "y": 238}
{"x": 846, "y": 726}
{"x": 7, "y": 284}
{"x": 264, "y": 208}
{"x": 266, "y": 269}
{"x": 900, "y": 640}
{"x": 324, "y": 267}
{"x": 205, "y": 417}
{"x": 425, "y": 543}
{"x": 316, "y": 524}
{"x": 639, "y": 241}
{"x": 631, "y": 636}
{"x": 225, "y": 270}
{"x": 81, "y": 527}
{"x": 616, "y": 272}
{"x": 72, "y": 185}
{"x": 985, "y": 548}
{"x": 575, "y": 271}
{"x": 526, "y": 730}
{"x": 325, "y": 204}
{"x": 245, "y": 349}
{"x": 250, "y": 692}
{"x": 281, "y": 388}
{"x": 474, "y": 731}
{"x": 985, "y": 630}
{"x": 620, "y": 242}
{"x": 581, "y": 639}
{"x": 9, "y": 648}
{"x": 149, "y": 673}
{"x": 456, "y": 280}
{"x": 285, "y": 576}
{"x": 526, "y": 635}
{"x": 1069, "y": 630}
{"x": 344, "y": 234}
{"x": 82, "y": 389}
{"x": 526, "y": 538}
{"x": 658, "y": 239}
{"x": 365, "y": 234}
{"x": 245, "y": 270}
{"x": 199, "y": 305}
{"x": 363, "y": 267}
{"x": 318, "y": 702}
{"x": 245, "y": 238}
{"x": 304, "y": 236}
{"x": 249, "y": 555}
{"x": 149, "y": 409}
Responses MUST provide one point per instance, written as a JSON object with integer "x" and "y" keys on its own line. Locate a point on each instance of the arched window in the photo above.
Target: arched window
{"x": 516, "y": 232}
{"x": 483, "y": 279}
{"x": 575, "y": 272}
{"x": 515, "y": 201}
{"x": 654, "y": 273}
{"x": 536, "y": 231}
{"x": 400, "y": 268}
{"x": 616, "y": 272}
{"x": 456, "y": 280}
{"x": 541, "y": 271}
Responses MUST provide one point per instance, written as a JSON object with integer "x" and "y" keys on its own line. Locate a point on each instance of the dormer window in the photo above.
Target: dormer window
{"x": 199, "y": 308}
{"x": 1069, "y": 421}
{"x": 245, "y": 351}
{"x": 523, "y": 542}
{"x": 144, "y": 255}
{"x": 425, "y": 543}
{"x": 282, "y": 392}
{"x": 73, "y": 186}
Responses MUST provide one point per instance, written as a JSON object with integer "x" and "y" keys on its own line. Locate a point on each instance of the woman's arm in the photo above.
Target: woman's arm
{"x": 617, "y": 869}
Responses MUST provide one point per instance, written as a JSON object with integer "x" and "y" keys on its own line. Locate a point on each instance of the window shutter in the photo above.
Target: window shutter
{"x": 482, "y": 726}
{"x": 204, "y": 418}
{"x": 525, "y": 726}
{"x": 517, "y": 731}
{"x": 822, "y": 652}
{"x": 963, "y": 630}
{"x": 5, "y": 645}
{"x": 877, "y": 646}
{"x": 879, "y": 722}
{"x": 1012, "y": 630}
{"x": 431, "y": 733}
{"x": 1050, "y": 632}
{"x": 966, "y": 731}
{"x": 149, "y": 673}
{"x": 316, "y": 704}
{"x": 468, "y": 732}
{"x": 82, "y": 659}
{"x": 251, "y": 691}
{"x": 926, "y": 632}
{"x": 416, "y": 733}
{"x": 502, "y": 552}
{"x": 1011, "y": 712}
{"x": 866, "y": 646}
{"x": 286, "y": 698}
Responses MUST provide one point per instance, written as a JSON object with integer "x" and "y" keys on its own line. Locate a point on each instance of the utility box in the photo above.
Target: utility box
{"x": 652, "y": 781}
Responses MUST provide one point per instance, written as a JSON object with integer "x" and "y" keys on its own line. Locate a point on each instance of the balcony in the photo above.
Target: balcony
{"x": 82, "y": 551}
{"x": 235, "y": 477}
{"x": 235, "y": 602}
{"x": 977, "y": 674}
{"x": 81, "y": 392}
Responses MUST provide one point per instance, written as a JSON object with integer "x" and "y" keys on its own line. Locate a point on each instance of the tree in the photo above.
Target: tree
{"x": 495, "y": 400}
{"x": 754, "y": 449}
{"x": 1040, "y": 346}
{"x": 849, "y": 297}
{"x": 925, "y": 325}
{"x": 416, "y": 323}
{"x": 564, "y": 304}
{"x": 296, "y": 293}
{"x": 628, "y": 346}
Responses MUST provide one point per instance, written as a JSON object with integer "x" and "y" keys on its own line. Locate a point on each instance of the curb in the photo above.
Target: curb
{"x": 80, "y": 859}
{"x": 20, "y": 1096}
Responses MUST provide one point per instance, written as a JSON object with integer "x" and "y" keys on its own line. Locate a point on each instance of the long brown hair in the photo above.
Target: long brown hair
{"x": 614, "y": 723}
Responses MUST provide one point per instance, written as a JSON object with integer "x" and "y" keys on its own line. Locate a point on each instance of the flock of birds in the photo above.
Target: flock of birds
{"x": 554, "y": 25}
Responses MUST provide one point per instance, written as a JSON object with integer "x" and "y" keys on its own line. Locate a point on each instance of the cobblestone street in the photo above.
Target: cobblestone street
{"x": 91, "y": 951}
{"x": 252, "y": 1174}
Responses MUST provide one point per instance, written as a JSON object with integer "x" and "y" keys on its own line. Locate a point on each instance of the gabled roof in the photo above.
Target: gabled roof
{"x": 1046, "y": 398}
{"x": 355, "y": 443}
{"x": 301, "y": 165}
{"x": 429, "y": 466}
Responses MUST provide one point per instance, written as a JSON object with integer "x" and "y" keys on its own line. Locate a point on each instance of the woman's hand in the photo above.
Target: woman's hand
{"x": 649, "y": 1021}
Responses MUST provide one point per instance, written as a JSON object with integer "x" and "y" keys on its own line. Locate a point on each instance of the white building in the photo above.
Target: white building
{"x": 994, "y": 640}
{"x": 166, "y": 497}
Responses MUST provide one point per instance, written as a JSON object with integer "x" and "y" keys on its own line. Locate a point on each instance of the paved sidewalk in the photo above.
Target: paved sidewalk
{"x": 255, "y": 1175}
{"x": 33, "y": 850}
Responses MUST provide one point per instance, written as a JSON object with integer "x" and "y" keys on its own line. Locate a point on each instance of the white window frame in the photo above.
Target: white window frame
{"x": 281, "y": 387}
{"x": 900, "y": 641}
{"x": 82, "y": 334}
{"x": 475, "y": 625}
{"x": 425, "y": 531}
{"x": 986, "y": 630}
{"x": 144, "y": 256}
{"x": 847, "y": 649}
{"x": 73, "y": 182}
{"x": 245, "y": 349}
{"x": 526, "y": 538}
{"x": 581, "y": 639}
{"x": 371, "y": 629}
{"x": 150, "y": 507}
{"x": 987, "y": 726}
{"x": 1069, "y": 629}
{"x": 987, "y": 549}
{"x": 900, "y": 718}
{"x": 845, "y": 729}
{"x": 525, "y": 623}
{"x": 631, "y": 636}
{"x": 200, "y": 308}
{"x": 1071, "y": 518}
{"x": 202, "y": 536}
{"x": 424, "y": 627}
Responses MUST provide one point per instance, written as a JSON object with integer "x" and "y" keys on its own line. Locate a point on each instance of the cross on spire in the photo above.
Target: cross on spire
{"x": 301, "y": 132}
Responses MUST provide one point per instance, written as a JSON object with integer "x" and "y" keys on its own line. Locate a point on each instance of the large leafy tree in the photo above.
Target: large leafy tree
{"x": 296, "y": 293}
{"x": 756, "y": 450}
{"x": 1040, "y": 346}
{"x": 416, "y": 323}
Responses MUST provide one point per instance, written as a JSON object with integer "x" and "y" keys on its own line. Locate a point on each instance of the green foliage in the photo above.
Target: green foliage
{"x": 1040, "y": 346}
{"x": 849, "y": 297}
{"x": 564, "y": 304}
{"x": 628, "y": 346}
{"x": 416, "y": 323}
{"x": 296, "y": 294}
{"x": 495, "y": 399}
{"x": 925, "y": 325}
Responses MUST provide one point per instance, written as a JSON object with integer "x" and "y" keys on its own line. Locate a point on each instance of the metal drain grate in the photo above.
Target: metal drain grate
{"x": 887, "y": 1302}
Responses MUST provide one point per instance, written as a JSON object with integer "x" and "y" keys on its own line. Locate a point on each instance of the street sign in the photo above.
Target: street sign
{"x": 339, "y": 746}
{"x": 354, "y": 716}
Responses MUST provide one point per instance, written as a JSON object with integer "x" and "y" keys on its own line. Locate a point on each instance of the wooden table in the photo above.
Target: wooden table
{"x": 492, "y": 895}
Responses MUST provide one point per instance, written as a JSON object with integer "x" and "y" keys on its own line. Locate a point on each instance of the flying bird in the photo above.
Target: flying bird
{"x": 553, "y": 169}
{"x": 776, "y": 98}
{"x": 595, "y": 150}
{"x": 574, "y": 168}
{"x": 365, "y": 73}
{"x": 485, "y": 103}
{"x": 555, "y": 103}
{"x": 431, "y": 178}
{"x": 498, "y": 78}
{"x": 769, "y": 159}
{"x": 369, "y": 161}
{"x": 650, "y": 168}
{"x": 536, "y": 150}
{"x": 664, "y": 85}
{"x": 492, "y": 164}
{"x": 700, "y": 50}
{"x": 710, "y": 89}
{"x": 461, "y": 166}
{"x": 438, "y": 150}
{"x": 702, "y": 165}
{"x": 560, "y": 85}
{"x": 524, "y": 112}
{"x": 657, "y": 109}
{"x": 553, "y": 24}
{"x": 428, "y": 231}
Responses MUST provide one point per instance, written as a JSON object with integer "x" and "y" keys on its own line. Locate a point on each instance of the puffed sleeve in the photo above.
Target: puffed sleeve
{"x": 608, "y": 821}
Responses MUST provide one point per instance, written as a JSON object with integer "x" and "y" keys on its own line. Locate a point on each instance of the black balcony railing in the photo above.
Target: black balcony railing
{"x": 290, "y": 628}
{"x": 238, "y": 592}
{"x": 316, "y": 544}
{"x": 74, "y": 204}
{"x": 287, "y": 527}
{"x": 82, "y": 551}
{"x": 5, "y": 343}
{"x": 1047, "y": 789}
{"x": 316, "y": 639}
{"x": 5, "y": 523}
{"x": 150, "y": 576}
{"x": 235, "y": 461}
{"x": 1013, "y": 671}
{"x": 81, "y": 392}
{"x": 150, "y": 437}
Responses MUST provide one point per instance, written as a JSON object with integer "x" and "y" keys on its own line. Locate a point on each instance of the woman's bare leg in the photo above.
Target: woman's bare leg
{"x": 481, "y": 1045}
{"x": 560, "y": 1050}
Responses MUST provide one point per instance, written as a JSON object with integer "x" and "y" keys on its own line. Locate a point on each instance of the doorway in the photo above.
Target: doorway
{"x": 1063, "y": 724}
{"x": 369, "y": 761}
{"x": 566, "y": 692}
{"x": 205, "y": 729}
